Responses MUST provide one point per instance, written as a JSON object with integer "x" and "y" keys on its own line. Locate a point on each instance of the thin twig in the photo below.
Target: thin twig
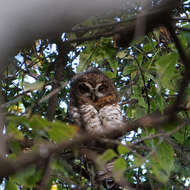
{"x": 181, "y": 18}
{"x": 178, "y": 150}
{"x": 52, "y": 93}
{"x": 144, "y": 83}
{"x": 183, "y": 29}
{"x": 161, "y": 134}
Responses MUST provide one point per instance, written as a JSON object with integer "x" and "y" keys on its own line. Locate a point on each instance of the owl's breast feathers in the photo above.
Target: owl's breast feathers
{"x": 107, "y": 100}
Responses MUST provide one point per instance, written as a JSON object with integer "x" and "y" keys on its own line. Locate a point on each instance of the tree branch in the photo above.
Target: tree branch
{"x": 3, "y": 142}
{"x": 59, "y": 69}
{"x": 9, "y": 167}
{"x": 162, "y": 134}
{"x": 46, "y": 174}
{"x": 154, "y": 18}
{"x": 186, "y": 78}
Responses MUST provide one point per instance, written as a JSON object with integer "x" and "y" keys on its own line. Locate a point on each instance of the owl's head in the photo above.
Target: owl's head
{"x": 93, "y": 85}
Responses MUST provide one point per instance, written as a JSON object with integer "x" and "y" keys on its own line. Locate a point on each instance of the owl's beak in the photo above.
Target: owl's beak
{"x": 93, "y": 96}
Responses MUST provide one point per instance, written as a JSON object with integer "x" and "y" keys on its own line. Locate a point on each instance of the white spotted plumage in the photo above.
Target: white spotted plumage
{"x": 91, "y": 119}
{"x": 98, "y": 122}
{"x": 111, "y": 116}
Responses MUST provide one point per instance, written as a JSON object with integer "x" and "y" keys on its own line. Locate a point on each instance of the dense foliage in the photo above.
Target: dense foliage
{"x": 147, "y": 75}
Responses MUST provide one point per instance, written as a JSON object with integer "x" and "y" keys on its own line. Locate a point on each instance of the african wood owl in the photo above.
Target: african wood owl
{"x": 94, "y": 102}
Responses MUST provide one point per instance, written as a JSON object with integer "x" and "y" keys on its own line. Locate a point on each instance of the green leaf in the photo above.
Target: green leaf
{"x": 179, "y": 136}
{"x": 122, "y": 54}
{"x": 160, "y": 102}
{"x": 166, "y": 156}
{"x": 166, "y": 70}
{"x": 149, "y": 46}
{"x": 16, "y": 120}
{"x": 184, "y": 39}
{"x": 28, "y": 177}
{"x": 138, "y": 161}
{"x": 141, "y": 102}
{"x": 15, "y": 147}
{"x": 129, "y": 69}
{"x": 107, "y": 156}
{"x": 38, "y": 122}
{"x": 122, "y": 149}
{"x": 110, "y": 52}
{"x": 120, "y": 165}
{"x": 13, "y": 130}
{"x": 110, "y": 74}
{"x": 84, "y": 62}
{"x": 62, "y": 166}
{"x": 60, "y": 131}
{"x": 162, "y": 162}
{"x": 10, "y": 185}
{"x": 114, "y": 65}
{"x": 139, "y": 112}
{"x": 119, "y": 168}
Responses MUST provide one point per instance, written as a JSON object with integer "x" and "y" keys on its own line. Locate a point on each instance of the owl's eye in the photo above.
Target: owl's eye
{"x": 83, "y": 88}
{"x": 101, "y": 88}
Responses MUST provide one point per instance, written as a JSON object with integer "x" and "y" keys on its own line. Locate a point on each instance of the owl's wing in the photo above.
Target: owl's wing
{"x": 75, "y": 115}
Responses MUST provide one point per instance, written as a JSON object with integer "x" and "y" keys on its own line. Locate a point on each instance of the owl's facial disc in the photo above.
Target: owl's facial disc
{"x": 85, "y": 88}
{"x": 100, "y": 90}
{"x": 93, "y": 93}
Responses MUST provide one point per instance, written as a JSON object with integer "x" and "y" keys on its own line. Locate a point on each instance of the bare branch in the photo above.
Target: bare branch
{"x": 52, "y": 93}
{"x": 59, "y": 69}
{"x": 162, "y": 134}
{"x": 181, "y": 19}
{"x": 183, "y": 29}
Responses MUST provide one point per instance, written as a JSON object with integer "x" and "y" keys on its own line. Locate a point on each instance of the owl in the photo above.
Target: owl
{"x": 94, "y": 108}
{"x": 94, "y": 102}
